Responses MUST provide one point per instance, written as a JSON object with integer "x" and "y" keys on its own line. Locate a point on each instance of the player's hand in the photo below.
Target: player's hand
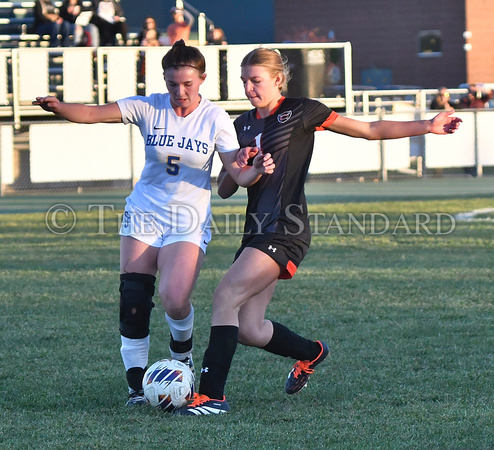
{"x": 47, "y": 103}
{"x": 264, "y": 163}
{"x": 244, "y": 154}
{"x": 444, "y": 123}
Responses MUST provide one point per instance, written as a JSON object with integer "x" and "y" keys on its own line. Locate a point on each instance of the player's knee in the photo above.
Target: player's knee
{"x": 227, "y": 299}
{"x": 174, "y": 299}
{"x": 175, "y": 303}
{"x": 136, "y": 292}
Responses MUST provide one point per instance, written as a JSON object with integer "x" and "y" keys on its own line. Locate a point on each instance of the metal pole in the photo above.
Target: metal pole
{"x": 479, "y": 171}
{"x": 422, "y": 100}
{"x": 365, "y": 102}
{"x": 382, "y": 150}
{"x": 101, "y": 75}
{"x": 15, "y": 89}
{"x": 201, "y": 28}
{"x": 349, "y": 101}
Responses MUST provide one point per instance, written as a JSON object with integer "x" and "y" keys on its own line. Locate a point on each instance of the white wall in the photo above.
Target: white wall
{"x": 77, "y": 152}
{"x": 6, "y": 154}
{"x": 74, "y": 152}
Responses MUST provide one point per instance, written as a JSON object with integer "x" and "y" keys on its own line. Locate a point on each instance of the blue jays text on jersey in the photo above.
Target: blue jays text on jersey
{"x": 167, "y": 140}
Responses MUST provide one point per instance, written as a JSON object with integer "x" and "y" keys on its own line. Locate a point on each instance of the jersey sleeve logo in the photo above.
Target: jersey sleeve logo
{"x": 284, "y": 116}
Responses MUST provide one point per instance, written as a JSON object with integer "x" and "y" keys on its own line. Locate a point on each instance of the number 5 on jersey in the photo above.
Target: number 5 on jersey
{"x": 173, "y": 167}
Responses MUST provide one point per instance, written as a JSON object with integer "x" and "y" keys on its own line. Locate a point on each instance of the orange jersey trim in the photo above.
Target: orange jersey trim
{"x": 273, "y": 110}
{"x": 289, "y": 271}
{"x": 328, "y": 122}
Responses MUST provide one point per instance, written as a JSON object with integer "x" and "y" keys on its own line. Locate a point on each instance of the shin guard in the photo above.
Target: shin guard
{"x": 136, "y": 293}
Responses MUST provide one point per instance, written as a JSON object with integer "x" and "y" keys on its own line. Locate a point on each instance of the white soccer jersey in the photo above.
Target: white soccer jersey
{"x": 175, "y": 182}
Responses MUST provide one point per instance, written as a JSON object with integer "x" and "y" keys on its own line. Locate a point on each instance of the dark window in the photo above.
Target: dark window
{"x": 430, "y": 43}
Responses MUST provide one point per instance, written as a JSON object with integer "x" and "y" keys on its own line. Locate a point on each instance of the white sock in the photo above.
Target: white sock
{"x": 181, "y": 331}
{"x": 134, "y": 352}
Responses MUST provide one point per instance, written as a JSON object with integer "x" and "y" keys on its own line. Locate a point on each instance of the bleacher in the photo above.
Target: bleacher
{"x": 17, "y": 25}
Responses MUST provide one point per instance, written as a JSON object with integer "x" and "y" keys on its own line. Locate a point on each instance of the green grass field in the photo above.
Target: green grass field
{"x": 406, "y": 305}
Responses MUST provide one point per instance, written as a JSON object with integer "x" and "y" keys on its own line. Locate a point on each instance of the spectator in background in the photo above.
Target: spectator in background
{"x": 180, "y": 28}
{"x": 216, "y": 36}
{"x": 477, "y": 97}
{"x": 85, "y": 33}
{"x": 442, "y": 100}
{"x": 110, "y": 20}
{"x": 47, "y": 20}
{"x": 149, "y": 35}
{"x": 301, "y": 33}
{"x": 151, "y": 39}
{"x": 317, "y": 35}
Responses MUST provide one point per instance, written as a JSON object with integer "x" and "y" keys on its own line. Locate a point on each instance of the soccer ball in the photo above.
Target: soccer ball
{"x": 168, "y": 384}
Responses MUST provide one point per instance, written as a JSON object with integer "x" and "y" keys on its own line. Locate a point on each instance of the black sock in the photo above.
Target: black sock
{"x": 180, "y": 346}
{"x": 134, "y": 378}
{"x": 287, "y": 343}
{"x": 218, "y": 360}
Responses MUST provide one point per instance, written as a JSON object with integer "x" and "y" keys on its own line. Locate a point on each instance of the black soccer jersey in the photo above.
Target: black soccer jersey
{"x": 277, "y": 202}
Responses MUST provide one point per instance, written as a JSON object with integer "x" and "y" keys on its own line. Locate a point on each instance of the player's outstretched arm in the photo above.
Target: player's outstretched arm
{"x": 79, "y": 113}
{"x": 443, "y": 123}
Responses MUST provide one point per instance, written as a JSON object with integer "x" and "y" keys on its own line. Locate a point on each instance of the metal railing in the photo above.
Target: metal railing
{"x": 105, "y": 74}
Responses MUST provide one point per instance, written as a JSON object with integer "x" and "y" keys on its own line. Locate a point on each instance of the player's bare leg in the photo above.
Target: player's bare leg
{"x": 251, "y": 274}
{"x": 179, "y": 265}
{"x": 137, "y": 278}
{"x": 254, "y": 330}
{"x": 239, "y": 306}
